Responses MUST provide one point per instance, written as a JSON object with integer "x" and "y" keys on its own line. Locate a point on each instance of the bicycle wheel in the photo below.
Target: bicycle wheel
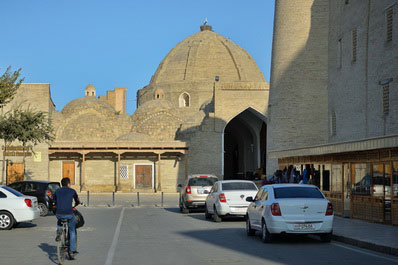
{"x": 62, "y": 249}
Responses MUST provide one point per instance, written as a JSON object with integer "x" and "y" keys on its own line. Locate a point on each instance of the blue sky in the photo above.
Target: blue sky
{"x": 118, "y": 43}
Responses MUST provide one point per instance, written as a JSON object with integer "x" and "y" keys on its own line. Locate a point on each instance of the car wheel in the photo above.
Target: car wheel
{"x": 266, "y": 236}
{"x": 207, "y": 214}
{"x": 327, "y": 237}
{"x": 43, "y": 209}
{"x": 6, "y": 221}
{"x": 249, "y": 230}
{"x": 216, "y": 217}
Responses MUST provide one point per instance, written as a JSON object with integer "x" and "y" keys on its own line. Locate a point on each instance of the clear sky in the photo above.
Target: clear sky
{"x": 118, "y": 43}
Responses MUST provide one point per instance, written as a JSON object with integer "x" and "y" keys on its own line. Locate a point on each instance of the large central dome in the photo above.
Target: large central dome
{"x": 205, "y": 55}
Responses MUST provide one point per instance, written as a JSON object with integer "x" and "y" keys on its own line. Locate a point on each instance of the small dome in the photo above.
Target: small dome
{"x": 152, "y": 106}
{"x": 205, "y": 55}
{"x": 156, "y": 118}
{"x": 93, "y": 127}
{"x": 82, "y": 104}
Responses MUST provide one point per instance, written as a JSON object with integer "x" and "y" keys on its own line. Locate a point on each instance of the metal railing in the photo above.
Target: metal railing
{"x": 136, "y": 199}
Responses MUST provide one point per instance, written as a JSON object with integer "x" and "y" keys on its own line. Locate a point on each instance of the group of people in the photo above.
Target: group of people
{"x": 289, "y": 175}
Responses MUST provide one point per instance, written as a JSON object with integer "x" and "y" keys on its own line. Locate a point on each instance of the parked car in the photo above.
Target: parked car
{"x": 289, "y": 209}
{"x": 43, "y": 190}
{"x": 228, "y": 197}
{"x": 16, "y": 207}
{"x": 193, "y": 194}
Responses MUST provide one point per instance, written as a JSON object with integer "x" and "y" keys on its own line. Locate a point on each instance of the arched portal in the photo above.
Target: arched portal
{"x": 245, "y": 145}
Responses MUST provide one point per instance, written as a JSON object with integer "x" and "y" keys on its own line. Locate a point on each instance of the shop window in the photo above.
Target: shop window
{"x": 395, "y": 178}
{"x": 361, "y": 176}
{"x": 326, "y": 178}
{"x": 377, "y": 180}
{"x": 336, "y": 179}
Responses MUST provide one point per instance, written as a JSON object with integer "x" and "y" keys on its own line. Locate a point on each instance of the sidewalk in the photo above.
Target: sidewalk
{"x": 376, "y": 237}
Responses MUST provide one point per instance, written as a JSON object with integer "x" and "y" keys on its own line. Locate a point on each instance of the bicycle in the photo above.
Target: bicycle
{"x": 63, "y": 246}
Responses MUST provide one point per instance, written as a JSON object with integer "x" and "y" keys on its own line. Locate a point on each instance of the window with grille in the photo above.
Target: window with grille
{"x": 333, "y": 124}
{"x": 386, "y": 98}
{"x": 354, "y": 45}
{"x": 389, "y": 22}
{"x": 124, "y": 172}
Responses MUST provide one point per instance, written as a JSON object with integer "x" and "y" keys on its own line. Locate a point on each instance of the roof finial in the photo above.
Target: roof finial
{"x": 205, "y": 26}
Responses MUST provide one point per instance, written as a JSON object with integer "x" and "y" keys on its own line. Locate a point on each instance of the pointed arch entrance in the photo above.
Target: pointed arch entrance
{"x": 244, "y": 145}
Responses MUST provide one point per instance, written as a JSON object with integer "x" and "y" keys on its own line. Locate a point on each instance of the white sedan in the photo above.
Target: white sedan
{"x": 16, "y": 207}
{"x": 289, "y": 209}
{"x": 228, "y": 197}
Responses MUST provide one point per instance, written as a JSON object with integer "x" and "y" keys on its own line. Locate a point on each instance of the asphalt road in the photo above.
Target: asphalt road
{"x": 151, "y": 235}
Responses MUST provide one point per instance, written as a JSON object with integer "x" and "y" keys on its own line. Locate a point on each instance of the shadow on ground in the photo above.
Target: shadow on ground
{"x": 51, "y": 252}
{"x": 199, "y": 214}
{"x": 236, "y": 240}
{"x": 25, "y": 225}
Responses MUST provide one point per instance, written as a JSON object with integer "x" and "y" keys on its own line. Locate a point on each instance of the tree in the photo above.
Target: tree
{"x": 9, "y": 85}
{"x": 31, "y": 126}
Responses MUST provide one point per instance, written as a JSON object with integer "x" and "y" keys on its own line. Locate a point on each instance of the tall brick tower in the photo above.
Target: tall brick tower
{"x": 298, "y": 85}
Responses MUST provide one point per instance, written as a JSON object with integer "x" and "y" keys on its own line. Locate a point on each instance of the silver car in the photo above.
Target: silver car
{"x": 194, "y": 193}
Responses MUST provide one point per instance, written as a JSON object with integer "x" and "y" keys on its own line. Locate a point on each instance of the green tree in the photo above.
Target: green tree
{"x": 9, "y": 85}
{"x": 31, "y": 127}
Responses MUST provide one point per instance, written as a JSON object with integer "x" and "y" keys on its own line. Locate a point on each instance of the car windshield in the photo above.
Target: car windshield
{"x": 238, "y": 186}
{"x": 201, "y": 181}
{"x": 16, "y": 193}
{"x": 297, "y": 192}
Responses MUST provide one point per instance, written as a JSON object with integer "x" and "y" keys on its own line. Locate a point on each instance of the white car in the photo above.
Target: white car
{"x": 289, "y": 209}
{"x": 16, "y": 207}
{"x": 228, "y": 197}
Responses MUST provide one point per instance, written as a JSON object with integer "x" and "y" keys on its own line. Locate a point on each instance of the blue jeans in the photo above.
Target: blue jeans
{"x": 72, "y": 229}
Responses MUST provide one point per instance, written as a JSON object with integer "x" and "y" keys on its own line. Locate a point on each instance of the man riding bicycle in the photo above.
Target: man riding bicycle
{"x": 64, "y": 210}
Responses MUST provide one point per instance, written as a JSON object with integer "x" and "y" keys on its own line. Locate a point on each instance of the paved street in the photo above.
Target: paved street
{"x": 151, "y": 235}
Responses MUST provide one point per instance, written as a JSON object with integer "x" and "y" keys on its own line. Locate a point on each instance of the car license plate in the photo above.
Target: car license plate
{"x": 200, "y": 191}
{"x": 300, "y": 227}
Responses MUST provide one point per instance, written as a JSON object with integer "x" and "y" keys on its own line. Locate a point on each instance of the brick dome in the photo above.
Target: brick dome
{"x": 205, "y": 55}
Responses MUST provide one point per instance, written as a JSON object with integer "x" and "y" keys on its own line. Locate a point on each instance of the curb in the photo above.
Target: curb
{"x": 366, "y": 245}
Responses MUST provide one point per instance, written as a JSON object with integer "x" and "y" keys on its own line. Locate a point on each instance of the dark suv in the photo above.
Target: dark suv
{"x": 43, "y": 190}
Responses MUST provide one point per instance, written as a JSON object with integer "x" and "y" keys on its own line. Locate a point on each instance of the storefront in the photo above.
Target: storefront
{"x": 361, "y": 184}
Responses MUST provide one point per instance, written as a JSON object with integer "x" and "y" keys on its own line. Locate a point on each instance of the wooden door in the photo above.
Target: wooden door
{"x": 15, "y": 172}
{"x": 68, "y": 171}
{"x": 143, "y": 176}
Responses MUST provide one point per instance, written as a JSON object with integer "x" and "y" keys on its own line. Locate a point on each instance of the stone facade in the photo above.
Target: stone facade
{"x": 333, "y": 75}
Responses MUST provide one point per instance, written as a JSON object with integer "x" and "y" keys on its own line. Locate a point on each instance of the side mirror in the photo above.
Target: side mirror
{"x": 249, "y": 199}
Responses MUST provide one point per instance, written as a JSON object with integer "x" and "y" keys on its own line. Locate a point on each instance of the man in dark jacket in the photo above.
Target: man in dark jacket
{"x": 64, "y": 198}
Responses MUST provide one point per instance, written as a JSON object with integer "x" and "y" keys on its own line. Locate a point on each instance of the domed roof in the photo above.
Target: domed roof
{"x": 156, "y": 118}
{"x": 93, "y": 127}
{"x": 152, "y": 106}
{"x": 205, "y": 55}
{"x": 84, "y": 103}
